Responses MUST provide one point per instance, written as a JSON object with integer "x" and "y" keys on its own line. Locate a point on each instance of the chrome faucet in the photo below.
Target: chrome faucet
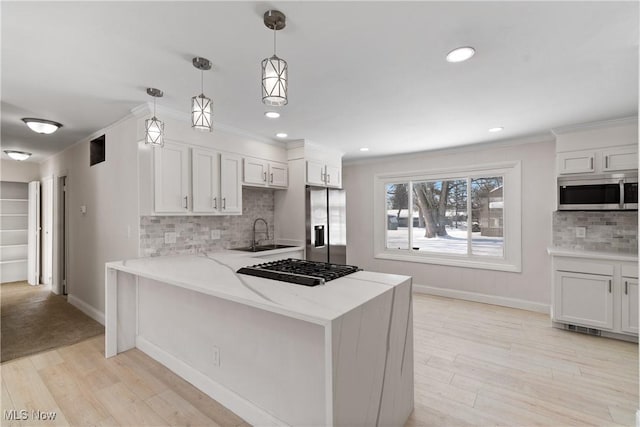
{"x": 254, "y": 243}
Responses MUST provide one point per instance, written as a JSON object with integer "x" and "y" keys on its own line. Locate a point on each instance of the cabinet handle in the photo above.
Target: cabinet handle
{"x": 606, "y": 162}
{"x": 215, "y": 203}
{"x": 591, "y": 163}
{"x": 271, "y": 177}
{"x": 186, "y": 202}
{"x": 323, "y": 176}
{"x": 609, "y": 285}
{"x": 264, "y": 175}
{"x": 328, "y": 178}
{"x": 224, "y": 203}
{"x": 626, "y": 287}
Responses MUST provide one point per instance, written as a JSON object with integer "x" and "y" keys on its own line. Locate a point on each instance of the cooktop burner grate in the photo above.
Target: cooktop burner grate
{"x": 301, "y": 272}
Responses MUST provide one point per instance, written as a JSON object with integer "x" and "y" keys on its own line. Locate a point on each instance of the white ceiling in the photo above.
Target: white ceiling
{"x": 361, "y": 73}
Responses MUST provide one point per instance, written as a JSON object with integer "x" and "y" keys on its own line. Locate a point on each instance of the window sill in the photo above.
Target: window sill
{"x": 476, "y": 263}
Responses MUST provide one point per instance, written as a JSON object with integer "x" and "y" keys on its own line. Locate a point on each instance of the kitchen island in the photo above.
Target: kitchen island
{"x": 273, "y": 352}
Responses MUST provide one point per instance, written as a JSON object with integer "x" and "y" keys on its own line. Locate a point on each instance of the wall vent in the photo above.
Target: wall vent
{"x": 583, "y": 330}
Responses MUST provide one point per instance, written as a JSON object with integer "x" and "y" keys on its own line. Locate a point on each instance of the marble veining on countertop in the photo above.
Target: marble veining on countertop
{"x": 613, "y": 256}
{"x": 215, "y": 274}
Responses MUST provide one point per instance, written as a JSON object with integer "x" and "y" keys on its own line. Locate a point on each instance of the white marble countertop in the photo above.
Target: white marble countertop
{"x": 613, "y": 256}
{"x": 214, "y": 274}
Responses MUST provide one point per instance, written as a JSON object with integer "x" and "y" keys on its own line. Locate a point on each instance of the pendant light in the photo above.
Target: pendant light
{"x": 274, "y": 69}
{"x": 154, "y": 128}
{"x": 201, "y": 106}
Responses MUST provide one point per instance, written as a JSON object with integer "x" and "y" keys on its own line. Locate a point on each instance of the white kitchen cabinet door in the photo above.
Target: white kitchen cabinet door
{"x": 629, "y": 305}
{"x": 315, "y": 173}
{"x": 583, "y": 299}
{"x": 255, "y": 171}
{"x": 230, "y": 184}
{"x": 576, "y": 162}
{"x": 205, "y": 182}
{"x": 333, "y": 176}
{"x": 171, "y": 178}
{"x": 278, "y": 175}
{"x": 620, "y": 159}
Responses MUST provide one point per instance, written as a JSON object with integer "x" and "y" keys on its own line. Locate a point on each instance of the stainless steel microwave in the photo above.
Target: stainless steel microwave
{"x": 598, "y": 192}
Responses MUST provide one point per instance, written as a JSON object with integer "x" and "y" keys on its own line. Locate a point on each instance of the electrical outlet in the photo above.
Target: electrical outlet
{"x": 215, "y": 234}
{"x": 216, "y": 356}
{"x": 581, "y": 232}
{"x": 170, "y": 237}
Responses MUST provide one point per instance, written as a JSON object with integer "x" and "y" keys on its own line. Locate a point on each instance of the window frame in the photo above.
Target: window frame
{"x": 511, "y": 172}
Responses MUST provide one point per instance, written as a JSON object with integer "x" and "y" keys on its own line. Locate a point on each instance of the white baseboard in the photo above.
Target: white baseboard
{"x": 638, "y": 418}
{"x": 227, "y": 398}
{"x": 87, "y": 309}
{"x": 487, "y": 299}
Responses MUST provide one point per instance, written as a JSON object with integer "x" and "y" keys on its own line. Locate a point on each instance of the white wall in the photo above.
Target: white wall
{"x": 109, "y": 229}
{"x": 12, "y": 170}
{"x": 531, "y": 288}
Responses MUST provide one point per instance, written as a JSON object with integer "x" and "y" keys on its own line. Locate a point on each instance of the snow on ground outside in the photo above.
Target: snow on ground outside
{"x": 454, "y": 243}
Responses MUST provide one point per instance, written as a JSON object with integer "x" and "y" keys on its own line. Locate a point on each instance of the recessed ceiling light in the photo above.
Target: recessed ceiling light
{"x": 461, "y": 54}
{"x": 281, "y": 135}
{"x": 18, "y": 155}
{"x": 272, "y": 114}
{"x": 496, "y": 129}
{"x": 364, "y": 149}
{"x": 41, "y": 125}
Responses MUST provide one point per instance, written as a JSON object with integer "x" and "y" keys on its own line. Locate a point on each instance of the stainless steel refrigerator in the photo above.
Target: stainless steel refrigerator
{"x": 326, "y": 225}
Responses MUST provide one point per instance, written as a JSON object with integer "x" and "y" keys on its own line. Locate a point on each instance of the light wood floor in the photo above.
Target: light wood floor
{"x": 475, "y": 364}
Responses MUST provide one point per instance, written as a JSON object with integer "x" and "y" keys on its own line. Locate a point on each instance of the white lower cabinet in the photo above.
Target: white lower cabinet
{"x": 595, "y": 293}
{"x": 196, "y": 180}
{"x": 630, "y": 305}
{"x": 583, "y": 299}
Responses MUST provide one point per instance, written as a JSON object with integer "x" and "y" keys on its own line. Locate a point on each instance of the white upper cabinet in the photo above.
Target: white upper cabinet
{"x": 264, "y": 173}
{"x": 230, "y": 184}
{"x": 324, "y": 175}
{"x": 620, "y": 159}
{"x": 576, "y": 162}
{"x": 196, "y": 181}
{"x": 206, "y": 181}
{"x": 171, "y": 178}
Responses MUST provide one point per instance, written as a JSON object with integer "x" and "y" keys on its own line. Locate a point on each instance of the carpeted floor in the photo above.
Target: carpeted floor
{"x": 34, "y": 319}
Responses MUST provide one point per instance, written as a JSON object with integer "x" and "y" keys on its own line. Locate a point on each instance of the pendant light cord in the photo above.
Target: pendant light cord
{"x": 274, "y": 39}
{"x": 202, "y": 82}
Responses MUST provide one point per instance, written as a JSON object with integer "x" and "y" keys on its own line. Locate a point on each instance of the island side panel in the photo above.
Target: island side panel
{"x": 271, "y": 361}
{"x": 397, "y": 397}
{"x": 368, "y": 344}
{"x": 120, "y": 311}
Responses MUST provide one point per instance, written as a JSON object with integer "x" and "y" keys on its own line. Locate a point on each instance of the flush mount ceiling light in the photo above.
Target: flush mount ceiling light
{"x": 201, "y": 106}
{"x": 272, "y": 114}
{"x": 461, "y": 54}
{"x": 274, "y": 69}
{"x": 496, "y": 129}
{"x": 281, "y": 135}
{"x": 42, "y": 126}
{"x": 18, "y": 155}
{"x": 154, "y": 128}
{"x": 364, "y": 149}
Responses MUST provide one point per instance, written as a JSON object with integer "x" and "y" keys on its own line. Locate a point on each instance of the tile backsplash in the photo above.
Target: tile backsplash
{"x": 193, "y": 233}
{"x": 606, "y": 231}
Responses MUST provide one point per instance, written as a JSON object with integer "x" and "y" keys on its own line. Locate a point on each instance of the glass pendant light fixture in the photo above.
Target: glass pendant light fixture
{"x": 41, "y": 125}
{"x": 154, "y": 128}
{"x": 274, "y": 69}
{"x": 201, "y": 106}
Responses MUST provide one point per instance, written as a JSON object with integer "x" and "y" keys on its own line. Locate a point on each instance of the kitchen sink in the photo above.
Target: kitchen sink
{"x": 262, "y": 248}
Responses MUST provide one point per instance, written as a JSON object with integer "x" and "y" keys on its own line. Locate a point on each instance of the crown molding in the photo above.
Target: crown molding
{"x": 501, "y": 143}
{"x": 595, "y": 125}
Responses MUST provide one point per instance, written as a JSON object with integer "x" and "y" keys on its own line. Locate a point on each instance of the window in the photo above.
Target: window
{"x": 468, "y": 218}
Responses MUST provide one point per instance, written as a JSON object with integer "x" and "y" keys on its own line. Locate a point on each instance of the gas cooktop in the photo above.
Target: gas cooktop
{"x": 300, "y": 272}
